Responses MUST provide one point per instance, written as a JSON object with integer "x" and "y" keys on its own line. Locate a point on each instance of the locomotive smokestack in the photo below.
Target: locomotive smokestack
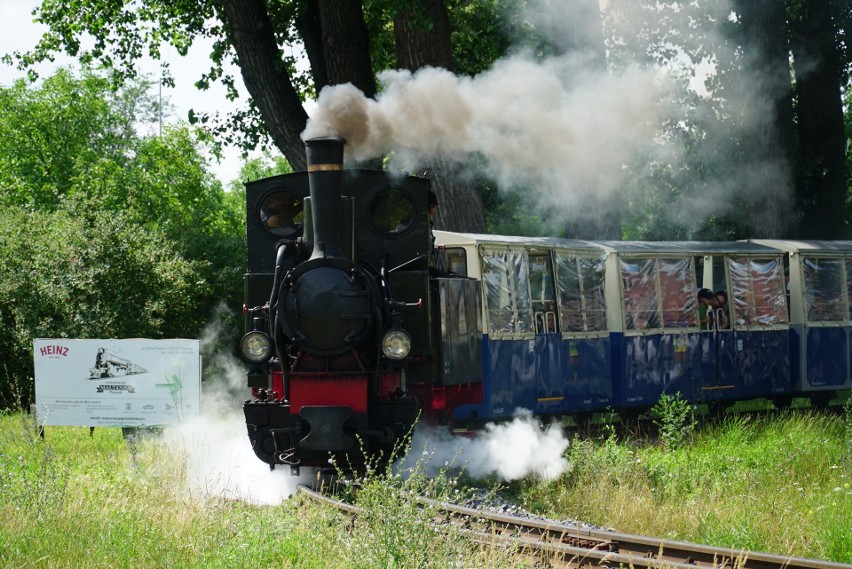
{"x": 325, "y": 173}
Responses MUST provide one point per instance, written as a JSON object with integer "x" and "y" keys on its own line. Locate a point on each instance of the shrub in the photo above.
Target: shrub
{"x": 674, "y": 417}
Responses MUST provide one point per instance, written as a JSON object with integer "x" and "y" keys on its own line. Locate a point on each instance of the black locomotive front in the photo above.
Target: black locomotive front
{"x": 331, "y": 345}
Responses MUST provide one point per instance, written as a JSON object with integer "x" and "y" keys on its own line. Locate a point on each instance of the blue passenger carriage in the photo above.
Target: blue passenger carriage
{"x": 820, "y": 287}
{"x": 660, "y": 343}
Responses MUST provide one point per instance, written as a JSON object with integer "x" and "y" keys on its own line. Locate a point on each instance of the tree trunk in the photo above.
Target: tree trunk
{"x": 265, "y": 77}
{"x": 460, "y": 205}
{"x": 422, "y": 34}
{"x": 822, "y": 187}
{"x": 768, "y": 149}
{"x": 346, "y": 45}
{"x": 309, "y": 26}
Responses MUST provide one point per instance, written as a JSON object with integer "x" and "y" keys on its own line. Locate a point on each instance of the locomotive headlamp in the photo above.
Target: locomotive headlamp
{"x": 396, "y": 344}
{"x": 256, "y": 347}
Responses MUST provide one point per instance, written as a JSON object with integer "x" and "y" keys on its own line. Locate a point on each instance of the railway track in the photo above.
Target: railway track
{"x": 557, "y": 544}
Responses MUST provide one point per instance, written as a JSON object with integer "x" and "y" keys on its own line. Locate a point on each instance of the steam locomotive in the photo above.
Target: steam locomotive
{"x": 361, "y": 320}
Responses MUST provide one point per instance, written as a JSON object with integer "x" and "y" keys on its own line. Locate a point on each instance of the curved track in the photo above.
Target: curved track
{"x": 559, "y": 544}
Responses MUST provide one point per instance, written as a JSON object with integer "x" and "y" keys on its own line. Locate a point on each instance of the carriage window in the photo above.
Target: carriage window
{"x": 824, "y": 298}
{"x": 677, "y": 293}
{"x": 391, "y": 211}
{"x": 281, "y": 214}
{"x": 541, "y": 293}
{"x": 504, "y": 275}
{"x": 581, "y": 293}
{"x": 639, "y": 278}
{"x": 758, "y": 291}
{"x": 452, "y": 261}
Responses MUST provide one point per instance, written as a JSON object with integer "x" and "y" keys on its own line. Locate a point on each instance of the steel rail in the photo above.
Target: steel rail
{"x": 572, "y": 545}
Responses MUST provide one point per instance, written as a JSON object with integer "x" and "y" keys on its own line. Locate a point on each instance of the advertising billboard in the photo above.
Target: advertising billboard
{"x": 119, "y": 383}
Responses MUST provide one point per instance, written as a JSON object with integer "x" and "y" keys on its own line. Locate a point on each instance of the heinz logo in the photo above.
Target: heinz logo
{"x": 54, "y": 350}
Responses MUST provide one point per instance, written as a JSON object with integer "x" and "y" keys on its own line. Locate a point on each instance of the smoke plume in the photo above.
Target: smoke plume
{"x": 532, "y": 127}
{"x": 577, "y": 137}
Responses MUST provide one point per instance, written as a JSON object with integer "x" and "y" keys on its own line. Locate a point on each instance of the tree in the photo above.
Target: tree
{"x": 334, "y": 35}
{"x": 106, "y": 231}
{"x": 53, "y": 133}
{"x": 83, "y": 273}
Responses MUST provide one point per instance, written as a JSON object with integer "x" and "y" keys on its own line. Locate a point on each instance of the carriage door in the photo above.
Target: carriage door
{"x": 758, "y": 299}
{"x": 547, "y": 336}
{"x": 718, "y": 353}
{"x": 826, "y": 356}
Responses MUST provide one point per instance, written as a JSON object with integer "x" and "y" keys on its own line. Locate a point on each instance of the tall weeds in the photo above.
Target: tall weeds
{"x": 776, "y": 483}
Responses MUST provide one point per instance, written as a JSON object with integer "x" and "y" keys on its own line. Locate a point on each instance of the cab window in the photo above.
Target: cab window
{"x": 452, "y": 261}
{"x": 391, "y": 211}
{"x": 281, "y": 214}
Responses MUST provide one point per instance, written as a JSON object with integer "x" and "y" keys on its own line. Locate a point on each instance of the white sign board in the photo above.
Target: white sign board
{"x": 119, "y": 383}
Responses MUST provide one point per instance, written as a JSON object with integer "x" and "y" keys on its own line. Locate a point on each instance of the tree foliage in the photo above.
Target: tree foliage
{"x": 343, "y": 41}
{"x": 730, "y": 163}
{"x": 754, "y": 125}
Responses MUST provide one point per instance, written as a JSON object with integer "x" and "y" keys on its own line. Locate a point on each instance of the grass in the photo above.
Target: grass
{"x": 75, "y": 500}
{"x": 779, "y": 484}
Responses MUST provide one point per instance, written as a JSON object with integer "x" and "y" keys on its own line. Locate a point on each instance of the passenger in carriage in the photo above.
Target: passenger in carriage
{"x": 706, "y": 304}
{"x": 722, "y": 309}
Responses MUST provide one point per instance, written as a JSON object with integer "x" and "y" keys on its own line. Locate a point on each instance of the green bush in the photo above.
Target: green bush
{"x": 675, "y": 419}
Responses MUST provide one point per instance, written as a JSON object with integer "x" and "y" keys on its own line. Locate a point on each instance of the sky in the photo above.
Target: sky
{"x": 19, "y": 32}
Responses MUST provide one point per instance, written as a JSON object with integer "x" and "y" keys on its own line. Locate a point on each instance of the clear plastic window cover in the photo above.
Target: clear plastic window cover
{"x": 580, "y": 281}
{"x": 825, "y": 297}
{"x": 658, "y": 292}
{"x": 507, "y": 293}
{"x": 678, "y": 297}
{"x": 758, "y": 291}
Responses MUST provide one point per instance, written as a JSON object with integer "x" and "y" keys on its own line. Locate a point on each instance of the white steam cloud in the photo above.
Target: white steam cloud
{"x": 219, "y": 462}
{"x": 510, "y": 451}
{"x": 214, "y": 447}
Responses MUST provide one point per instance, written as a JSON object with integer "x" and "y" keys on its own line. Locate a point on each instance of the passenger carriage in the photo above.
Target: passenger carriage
{"x": 570, "y": 327}
{"x": 659, "y": 344}
{"x": 820, "y": 287}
